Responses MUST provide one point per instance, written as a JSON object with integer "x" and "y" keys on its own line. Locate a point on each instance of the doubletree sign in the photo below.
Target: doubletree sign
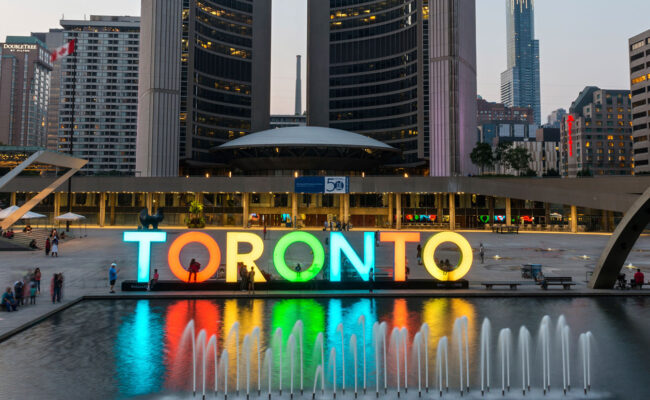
{"x": 339, "y": 247}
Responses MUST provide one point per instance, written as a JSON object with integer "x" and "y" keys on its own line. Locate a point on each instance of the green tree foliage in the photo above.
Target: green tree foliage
{"x": 482, "y": 156}
{"x": 195, "y": 219}
{"x": 518, "y": 158}
{"x": 500, "y": 153}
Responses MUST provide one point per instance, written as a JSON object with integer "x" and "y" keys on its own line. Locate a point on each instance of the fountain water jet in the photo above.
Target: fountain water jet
{"x": 505, "y": 336}
{"x": 298, "y": 332}
{"x": 353, "y": 349}
{"x": 524, "y": 349}
{"x": 425, "y": 335}
{"x": 277, "y": 338}
{"x": 460, "y": 331}
{"x": 340, "y": 328}
{"x": 291, "y": 345}
{"x": 256, "y": 334}
{"x": 319, "y": 341}
{"x": 404, "y": 340}
{"x": 485, "y": 356}
{"x": 362, "y": 321}
{"x": 441, "y": 354}
{"x": 546, "y": 352}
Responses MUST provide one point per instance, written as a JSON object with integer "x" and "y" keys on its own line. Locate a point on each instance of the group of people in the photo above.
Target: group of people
{"x": 23, "y": 291}
{"x": 8, "y": 234}
{"x": 247, "y": 277}
{"x": 336, "y": 226}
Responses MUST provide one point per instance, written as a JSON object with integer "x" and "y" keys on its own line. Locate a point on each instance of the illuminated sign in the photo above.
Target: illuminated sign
{"x": 570, "y": 121}
{"x": 420, "y": 218}
{"x": 19, "y": 47}
{"x": 486, "y": 218}
{"x": 362, "y": 260}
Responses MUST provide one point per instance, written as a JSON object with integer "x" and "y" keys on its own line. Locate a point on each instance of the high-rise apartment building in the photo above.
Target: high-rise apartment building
{"x": 100, "y": 83}
{"x": 520, "y": 85}
{"x": 596, "y": 135}
{"x": 640, "y": 91}
{"x": 497, "y": 123}
{"x": 53, "y": 40}
{"x": 369, "y": 68}
{"x": 555, "y": 118}
{"x": 25, "y": 69}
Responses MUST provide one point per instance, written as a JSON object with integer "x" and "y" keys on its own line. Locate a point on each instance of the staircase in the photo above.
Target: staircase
{"x": 21, "y": 240}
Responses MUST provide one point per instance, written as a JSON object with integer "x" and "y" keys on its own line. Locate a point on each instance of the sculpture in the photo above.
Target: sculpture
{"x": 153, "y": 220}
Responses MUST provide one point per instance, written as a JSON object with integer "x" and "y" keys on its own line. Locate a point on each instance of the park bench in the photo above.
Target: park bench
{"x": 505, "y": 229}
{"x": 565, "y": 281}
{"x": 512, "y": 285}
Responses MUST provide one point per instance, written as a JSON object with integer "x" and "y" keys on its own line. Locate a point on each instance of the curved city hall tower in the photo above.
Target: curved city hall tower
{"x": 368, "y": 71}
{"x": 222, "y": 50}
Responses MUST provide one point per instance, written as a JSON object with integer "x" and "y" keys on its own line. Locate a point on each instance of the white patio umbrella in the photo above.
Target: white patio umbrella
{"x": 72, "y": 217}
{"x": 28, "y": 215}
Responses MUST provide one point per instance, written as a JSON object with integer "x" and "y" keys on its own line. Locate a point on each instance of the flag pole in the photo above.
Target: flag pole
{"x": 71, "y": 134}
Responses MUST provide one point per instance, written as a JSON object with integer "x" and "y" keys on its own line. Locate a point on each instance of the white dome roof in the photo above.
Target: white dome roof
{"x": 305, "y": 136}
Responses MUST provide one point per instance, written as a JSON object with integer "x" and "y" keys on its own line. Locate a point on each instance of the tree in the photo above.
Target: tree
{"x": 195, "y": 219}
{"x": 518, "y": 158}
{"x": 585, "y": 172}
{"x": 482, "y": 156}
{"x": 500, "y": 153}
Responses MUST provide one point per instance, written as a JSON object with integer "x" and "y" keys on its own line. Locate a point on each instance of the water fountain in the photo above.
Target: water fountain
{"x": 204, "y": 351}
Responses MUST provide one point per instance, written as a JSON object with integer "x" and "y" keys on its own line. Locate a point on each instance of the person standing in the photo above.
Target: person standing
{"x": 371, "y": 279}
{"x": 55, "y": 247}
{"x": 37, "y": 279}
{"x": 251, "y": 280}
{"x": 264, "y": 231}
{"x": 18, "y": 292}
{"x": 153, "y": 282}
{"x": 638, "y": 279}
{"x": 112, "y": 276}
{"x": 481, "y": 252}
{"x": 243, "y": 274}
{"x": 419, "y": 254}
{"x": 193, "y": 270}
{"x": 32, "y": 292}
{"x": 48, "y": 247}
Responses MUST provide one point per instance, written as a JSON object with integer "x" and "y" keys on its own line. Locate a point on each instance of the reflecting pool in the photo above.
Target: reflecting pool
{"x": 139, "y": 348}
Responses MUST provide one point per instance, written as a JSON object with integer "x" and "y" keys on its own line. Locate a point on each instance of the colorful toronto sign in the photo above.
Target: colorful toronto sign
{"x": 338, "y": 248}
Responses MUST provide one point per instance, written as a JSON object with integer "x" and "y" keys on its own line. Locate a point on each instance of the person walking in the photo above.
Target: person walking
{"x": 193, "y": 270}
{"x": 48, "y": 247}
{"x": 55, "y": 247}
{"x": 251, "y": 281}
{"x": 419, "y": 254}
{"x": 112, "y": 276}
{"x": 37, "y": 280}
{"x": 481, "y": 252}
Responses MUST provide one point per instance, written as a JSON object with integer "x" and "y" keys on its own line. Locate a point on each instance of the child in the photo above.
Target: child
{"x": 32, "y": 293}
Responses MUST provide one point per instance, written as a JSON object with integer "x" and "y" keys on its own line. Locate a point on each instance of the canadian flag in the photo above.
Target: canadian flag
{"x": 64, "y": 51}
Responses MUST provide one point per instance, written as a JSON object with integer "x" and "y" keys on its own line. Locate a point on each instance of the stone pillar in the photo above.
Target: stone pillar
{"x": 508, "y": 212}
{"x": 346, "y": 208}
{"x": 398, "y": 210}
{"x": 102, "y": 209}
{"x": 547, "y": 213}
{"x": 341, "y": 208}
{"x": 452, "y": 211}
{"x": 391, "y": 208}
{"x": 574, "y": 219}
{"x": 439, "y": 208}
{"x": 245, "y": 199}
{"x": 13, "y": 198}
{"x": 604, "y": 225}
{"x": 294, "y": 209}
{"x": 491, "y": 201}
{"x": 112, "y": 202}
{"x": 610, "y": 220}
{"x": 57, "y": 204}
{"x": 148, "y": 198}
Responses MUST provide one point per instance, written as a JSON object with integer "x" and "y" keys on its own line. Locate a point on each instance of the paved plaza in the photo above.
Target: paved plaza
{"x": 85, "y": 261}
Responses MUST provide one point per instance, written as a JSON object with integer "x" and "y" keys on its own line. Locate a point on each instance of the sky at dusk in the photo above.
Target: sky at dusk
{"x": 582, "y": 42}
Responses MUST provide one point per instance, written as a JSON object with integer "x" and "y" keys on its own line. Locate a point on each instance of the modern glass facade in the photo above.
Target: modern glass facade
{"x": 520, "y": 85}
{"x": 106, "y": 103}
{"x": 217, "y": 75}
{"x": 375, "y": 72}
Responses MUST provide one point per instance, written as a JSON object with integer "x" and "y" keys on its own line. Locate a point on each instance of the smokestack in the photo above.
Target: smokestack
{"x": 298, "y": 87}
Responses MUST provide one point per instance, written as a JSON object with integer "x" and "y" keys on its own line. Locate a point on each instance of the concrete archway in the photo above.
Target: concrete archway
{"x": 620, "y": 243}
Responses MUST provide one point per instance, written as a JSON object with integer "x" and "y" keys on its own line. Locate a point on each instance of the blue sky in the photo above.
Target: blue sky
{"x": 582, "y": 42}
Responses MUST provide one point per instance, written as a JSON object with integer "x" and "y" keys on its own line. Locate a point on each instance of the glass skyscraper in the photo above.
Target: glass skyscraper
{"x": 520, "y": 82}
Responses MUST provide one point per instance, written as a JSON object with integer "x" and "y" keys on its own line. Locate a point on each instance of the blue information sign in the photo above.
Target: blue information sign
{"x": 322, "y": 184}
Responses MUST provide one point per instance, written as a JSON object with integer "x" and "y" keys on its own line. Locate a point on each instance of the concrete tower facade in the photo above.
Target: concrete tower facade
{"x": 159, "y": 89}
{"x": 298, "y": 86}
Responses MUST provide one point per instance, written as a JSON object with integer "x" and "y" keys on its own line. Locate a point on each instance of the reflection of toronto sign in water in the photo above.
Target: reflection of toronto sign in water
{"x": 339, "y": 247}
